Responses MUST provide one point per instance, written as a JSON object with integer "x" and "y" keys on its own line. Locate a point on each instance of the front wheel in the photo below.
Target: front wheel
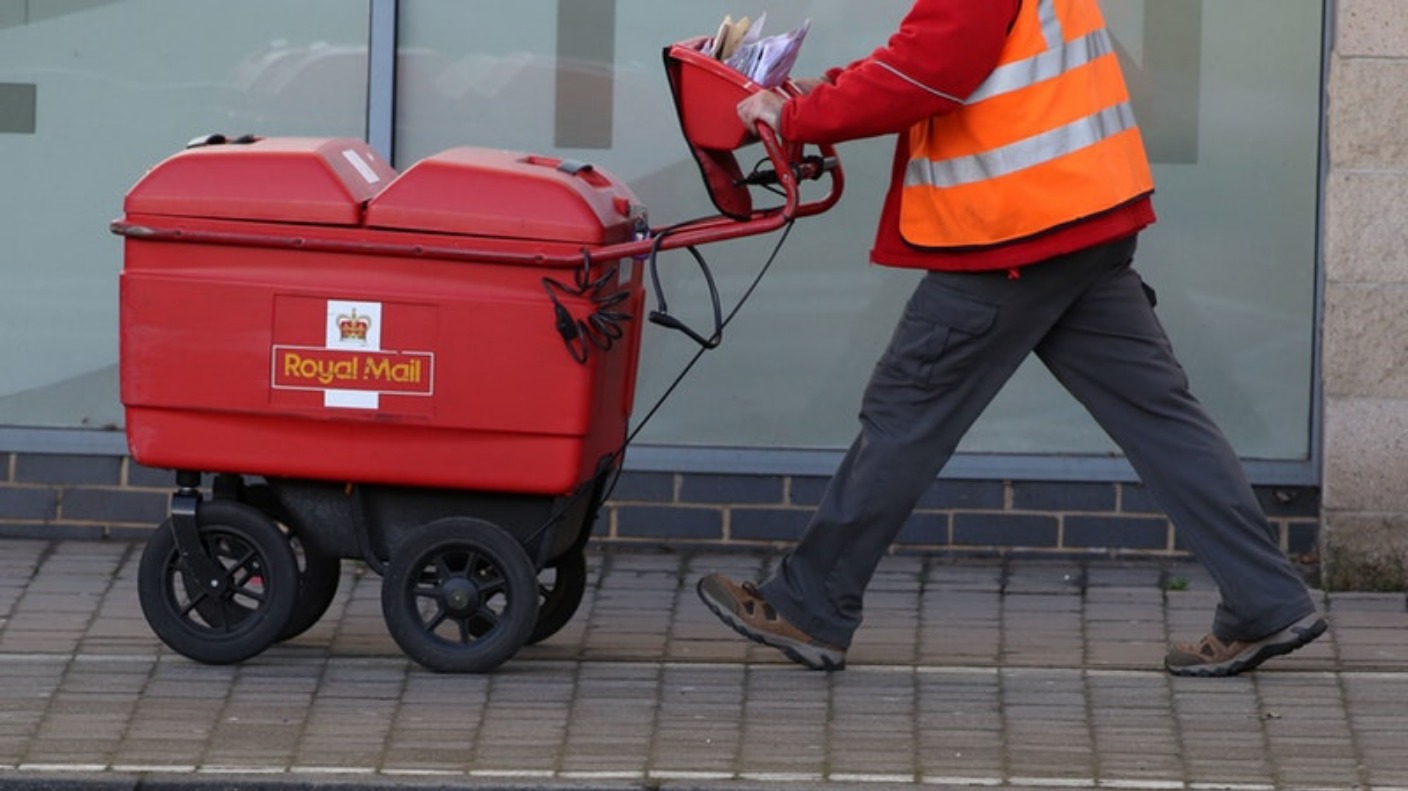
{"x": 460, "y": 596}
{"x": 247, "y": 609}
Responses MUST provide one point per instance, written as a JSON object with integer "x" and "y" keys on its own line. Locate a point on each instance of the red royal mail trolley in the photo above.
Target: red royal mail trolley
{"x": 431, "y": 371}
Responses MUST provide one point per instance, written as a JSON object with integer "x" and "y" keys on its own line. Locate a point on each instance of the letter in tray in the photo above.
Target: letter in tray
{"x": 766, "y": 60}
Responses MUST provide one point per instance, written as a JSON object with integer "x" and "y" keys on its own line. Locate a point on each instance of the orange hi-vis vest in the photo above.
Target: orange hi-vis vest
{"x": 1047, "y": 140}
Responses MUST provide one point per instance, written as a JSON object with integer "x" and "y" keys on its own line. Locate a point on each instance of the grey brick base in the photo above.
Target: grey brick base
{"x": 79, "y": 496}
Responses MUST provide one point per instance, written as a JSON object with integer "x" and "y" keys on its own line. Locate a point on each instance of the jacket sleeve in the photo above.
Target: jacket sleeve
{"x": 942, "y": 52}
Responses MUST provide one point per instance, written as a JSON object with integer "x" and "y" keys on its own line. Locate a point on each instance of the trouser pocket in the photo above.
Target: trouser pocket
{"x": 938, "y": 338}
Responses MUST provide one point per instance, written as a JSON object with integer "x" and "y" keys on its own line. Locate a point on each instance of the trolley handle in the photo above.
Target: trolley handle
{"x": 789, "y": 169}
{"x": 810, "y": 168}
{"x": 785, "y": 173}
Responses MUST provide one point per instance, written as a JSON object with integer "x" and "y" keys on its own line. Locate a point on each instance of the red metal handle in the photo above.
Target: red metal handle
{"x": 720, "y": 228}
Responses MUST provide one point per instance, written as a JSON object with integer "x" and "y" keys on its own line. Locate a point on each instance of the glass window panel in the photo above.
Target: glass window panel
{"x": 1233, "y": 130}
{"x": 118, "y": 86}
{"x": 1234, "y": 134}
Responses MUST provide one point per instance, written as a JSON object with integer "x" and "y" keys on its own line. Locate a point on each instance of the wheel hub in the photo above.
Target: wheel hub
{"x": 460, "y": 595}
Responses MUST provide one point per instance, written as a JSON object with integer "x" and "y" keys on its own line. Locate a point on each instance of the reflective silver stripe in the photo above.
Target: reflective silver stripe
{"x": 1050, "y": 24}
{"x": 1022, "y": 154}
{"x": 1046, "y": 66}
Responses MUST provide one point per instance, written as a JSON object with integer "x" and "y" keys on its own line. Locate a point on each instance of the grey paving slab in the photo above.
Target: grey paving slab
{"x": 967, "y": 674}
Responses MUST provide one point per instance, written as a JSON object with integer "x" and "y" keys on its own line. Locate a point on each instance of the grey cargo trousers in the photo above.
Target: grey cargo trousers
{"x": 1089, "y": 319}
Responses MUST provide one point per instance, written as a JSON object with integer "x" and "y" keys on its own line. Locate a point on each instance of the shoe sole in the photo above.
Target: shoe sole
{"x": 1287, "y": 640}
{"x": 817, "y": 659}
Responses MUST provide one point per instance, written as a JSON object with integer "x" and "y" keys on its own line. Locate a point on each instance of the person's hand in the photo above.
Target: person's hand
{"x": 805, "y": 85}
{"x": 765, "y": 106}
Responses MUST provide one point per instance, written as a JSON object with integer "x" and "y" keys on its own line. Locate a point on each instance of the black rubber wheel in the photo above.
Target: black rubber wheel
{"x": 318, "y": 574}
{"x": 247, "y": 613}
{"x": 561, "y": 586}
{"x": 460, "y": 596}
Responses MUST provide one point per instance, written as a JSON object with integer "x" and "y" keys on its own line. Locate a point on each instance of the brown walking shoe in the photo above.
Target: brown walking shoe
{"x": 743, "y": 608}
{"x": 1212, "y": 657}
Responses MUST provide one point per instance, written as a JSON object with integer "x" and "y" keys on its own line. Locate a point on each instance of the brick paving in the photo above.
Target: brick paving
{"x": 1021, "y": 674}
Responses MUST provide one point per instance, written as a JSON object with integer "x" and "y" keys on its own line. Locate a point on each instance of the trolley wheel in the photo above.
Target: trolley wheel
{"x": 318, "y": 574}
{"x": 460, "y": 596}
{"x": 561, "y": 586}
{"x": 249, "y": 611}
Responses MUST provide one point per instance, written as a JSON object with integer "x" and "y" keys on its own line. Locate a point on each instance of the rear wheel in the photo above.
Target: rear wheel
{"x": 561, "y": 586}
{"x": 460, "y": 596}
{"x": 251, "y": 602}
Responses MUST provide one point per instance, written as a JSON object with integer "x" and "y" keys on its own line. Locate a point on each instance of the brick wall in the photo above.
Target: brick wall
{"x": 979, "y": 516}
{"x": 1366, "y": 300}
{"x": 77, "y": 496}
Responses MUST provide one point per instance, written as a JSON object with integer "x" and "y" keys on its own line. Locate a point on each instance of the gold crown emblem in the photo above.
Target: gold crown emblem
{"x": 352, "y": 327}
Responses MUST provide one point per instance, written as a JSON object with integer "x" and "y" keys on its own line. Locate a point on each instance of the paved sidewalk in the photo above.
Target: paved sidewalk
{"x": 1025, "y": 674}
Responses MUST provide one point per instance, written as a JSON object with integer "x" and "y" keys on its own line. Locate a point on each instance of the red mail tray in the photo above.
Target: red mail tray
{"x": 707, "y": 92}
{"x": 297, "y": 318}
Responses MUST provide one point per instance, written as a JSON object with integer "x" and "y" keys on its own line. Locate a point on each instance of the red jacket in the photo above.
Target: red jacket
{"x": 943, "y": 48}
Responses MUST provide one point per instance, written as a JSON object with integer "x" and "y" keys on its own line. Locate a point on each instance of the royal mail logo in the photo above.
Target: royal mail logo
{"x": 353, "y": 328}
{"x": 350, "y": 369}
{"x": 312, "y": 368}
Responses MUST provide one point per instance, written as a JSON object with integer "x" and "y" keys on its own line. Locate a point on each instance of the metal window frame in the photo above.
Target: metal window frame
{"x": 380, "y": 131}
{"x": 381, "y": 77}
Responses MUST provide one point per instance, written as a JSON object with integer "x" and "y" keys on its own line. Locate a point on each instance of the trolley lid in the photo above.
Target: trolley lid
{"x": 492, "y": 192}
{"x": 288, "y": 180}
